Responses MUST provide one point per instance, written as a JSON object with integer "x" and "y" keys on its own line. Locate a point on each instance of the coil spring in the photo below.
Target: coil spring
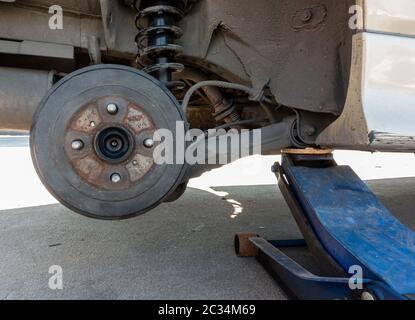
{"x": 155, "y": 40}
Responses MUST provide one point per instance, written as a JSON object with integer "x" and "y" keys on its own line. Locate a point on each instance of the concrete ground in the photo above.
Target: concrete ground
{"x": 182, "y": 250}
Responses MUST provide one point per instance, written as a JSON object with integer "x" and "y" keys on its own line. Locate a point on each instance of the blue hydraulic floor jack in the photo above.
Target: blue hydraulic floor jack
{"x": 346, "y": 228}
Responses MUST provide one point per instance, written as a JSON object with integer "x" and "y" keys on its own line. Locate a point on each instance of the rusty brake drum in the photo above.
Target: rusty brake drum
{"x": 92, "y": 141}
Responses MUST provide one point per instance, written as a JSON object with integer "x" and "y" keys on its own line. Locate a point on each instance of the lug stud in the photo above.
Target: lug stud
{"x": 115, "y": 178}
{"x": 112, "y": 108}
{"x": 77, "y": 145}
{"x": 149, "y": 143}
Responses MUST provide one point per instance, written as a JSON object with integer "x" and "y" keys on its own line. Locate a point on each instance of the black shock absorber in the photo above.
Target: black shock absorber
{"x": 156, "y": 22}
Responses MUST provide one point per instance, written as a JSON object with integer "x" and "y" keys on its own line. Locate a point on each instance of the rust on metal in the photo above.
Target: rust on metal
{"x": 87, "y": 119}
{"x": 244, "y": 247}
{"x": 137, "y": 119}
{"x": 89, "y": 168}
{"x": 88, "y": 122}
{"x": 139, "y": 167}
{"x": 308, "y": 151}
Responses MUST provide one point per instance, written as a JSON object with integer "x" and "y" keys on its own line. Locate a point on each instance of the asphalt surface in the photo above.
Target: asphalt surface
{"x": 182, "y": 250}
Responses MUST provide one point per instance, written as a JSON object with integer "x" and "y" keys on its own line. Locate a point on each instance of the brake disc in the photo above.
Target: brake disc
{"x": 92, "y": 141}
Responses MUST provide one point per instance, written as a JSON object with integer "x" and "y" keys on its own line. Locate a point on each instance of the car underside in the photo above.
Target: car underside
{"x": 93, "y": 80}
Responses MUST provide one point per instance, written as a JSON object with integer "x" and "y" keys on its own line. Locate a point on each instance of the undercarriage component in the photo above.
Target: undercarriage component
{"x": 21, "y": 90}
{"x": 274, "y": 138}
{"x": 92, "y": 142}
{"x": 155, "y": 41}
{"x": 223, "y": 107}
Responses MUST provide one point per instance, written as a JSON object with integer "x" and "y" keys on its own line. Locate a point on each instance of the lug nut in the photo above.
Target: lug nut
{"x": 115, "y": 178}
{"x": 77, "y": 145}
{"x": 149, "y": 143}
{"x": 112, "y": 108}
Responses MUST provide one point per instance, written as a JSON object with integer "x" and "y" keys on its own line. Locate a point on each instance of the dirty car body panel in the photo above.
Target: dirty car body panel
{"x": 380, "y": 107}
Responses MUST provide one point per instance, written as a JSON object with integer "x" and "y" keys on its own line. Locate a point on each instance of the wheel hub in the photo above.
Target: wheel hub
{"x": 105, "y": 118}
{"x": 114, "y": 144}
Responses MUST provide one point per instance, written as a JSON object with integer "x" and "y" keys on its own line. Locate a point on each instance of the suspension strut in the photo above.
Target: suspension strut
{"x": 157, "y": 31}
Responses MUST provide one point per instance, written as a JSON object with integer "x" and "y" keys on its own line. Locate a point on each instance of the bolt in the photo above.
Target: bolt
{"x": 92, "y": 124}
{"x": 77, "y": 145}
{"x": 112, "y": 108}
{"x": 115, "y": 178}
{"x": 149, "y": 143}
{"x": 135, "y": 163}
{"x": 368, "y": 296}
